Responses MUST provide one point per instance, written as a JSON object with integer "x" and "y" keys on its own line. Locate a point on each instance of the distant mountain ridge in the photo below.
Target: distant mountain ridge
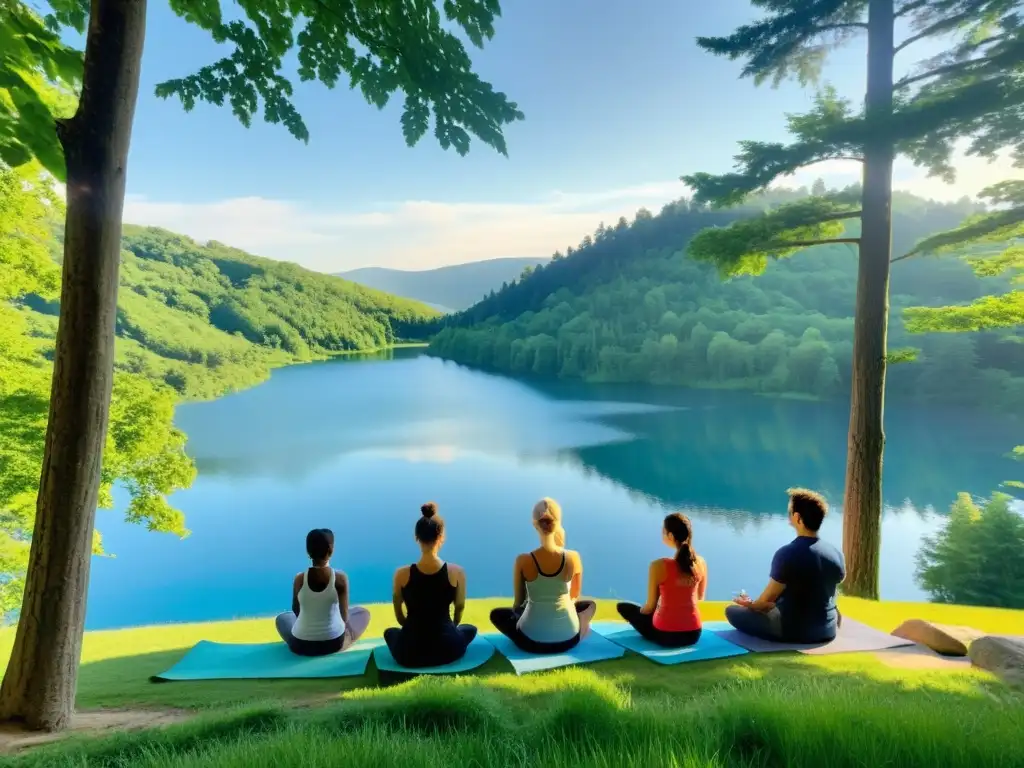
{"x": 453, "y": 288}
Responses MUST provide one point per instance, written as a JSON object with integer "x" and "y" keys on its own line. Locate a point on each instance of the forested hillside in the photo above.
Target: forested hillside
{"x": 629, "y": 305}
{"x": 206, "y": 319}
{"x": 456, "y": 287}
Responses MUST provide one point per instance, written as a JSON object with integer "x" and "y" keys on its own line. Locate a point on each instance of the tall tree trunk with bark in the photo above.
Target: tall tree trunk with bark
{"x": 39, "y": 687}
{"x": 862, "y": 505}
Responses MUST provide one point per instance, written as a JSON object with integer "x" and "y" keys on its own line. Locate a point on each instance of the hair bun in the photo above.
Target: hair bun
{"x": 429, "y": 509}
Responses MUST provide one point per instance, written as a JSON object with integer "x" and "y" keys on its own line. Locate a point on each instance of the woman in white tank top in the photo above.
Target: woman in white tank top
{"x": 547, "y": 616}
{"x": 320, "y": 621}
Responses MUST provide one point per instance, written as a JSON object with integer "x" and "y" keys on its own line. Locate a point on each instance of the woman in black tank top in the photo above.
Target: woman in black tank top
{"x": 423, "y": 595}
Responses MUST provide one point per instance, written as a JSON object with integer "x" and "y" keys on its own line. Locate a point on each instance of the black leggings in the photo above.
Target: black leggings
{"x": 643, "y": 623}
{"x": 506, "y": 621}
{"x": 417, "y": 649}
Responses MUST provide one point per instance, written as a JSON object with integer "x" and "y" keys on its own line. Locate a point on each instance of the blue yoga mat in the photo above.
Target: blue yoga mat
{"x": 590, "y": 649}
{"x": 478, "y": 653}
{"x": 262, "y": 661}
{"x": 710, "y": 645}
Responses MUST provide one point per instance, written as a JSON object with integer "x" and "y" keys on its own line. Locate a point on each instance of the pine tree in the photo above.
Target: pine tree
{"x": 973, "y": 92}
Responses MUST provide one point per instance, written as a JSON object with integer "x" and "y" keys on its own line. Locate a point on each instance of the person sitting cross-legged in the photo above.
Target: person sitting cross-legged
{"x": 547, "y": 615}
{"x": 429, "y": 597}
{"x": 675, "y": 585}
{"x": 799, "y": 603}
{"x": 321, "y": 621}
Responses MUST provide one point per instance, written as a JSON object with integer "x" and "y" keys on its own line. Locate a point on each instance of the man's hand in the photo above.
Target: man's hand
{"x": 743, "y": 600}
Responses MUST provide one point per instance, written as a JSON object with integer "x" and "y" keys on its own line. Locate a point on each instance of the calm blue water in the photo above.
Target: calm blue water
{"x": 358, "y": 445}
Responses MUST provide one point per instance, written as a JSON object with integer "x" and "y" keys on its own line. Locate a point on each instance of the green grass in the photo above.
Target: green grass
{"x": 756, "y": 710}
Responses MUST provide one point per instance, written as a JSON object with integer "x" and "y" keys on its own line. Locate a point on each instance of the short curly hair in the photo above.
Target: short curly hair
{"x": 811, "y": 507}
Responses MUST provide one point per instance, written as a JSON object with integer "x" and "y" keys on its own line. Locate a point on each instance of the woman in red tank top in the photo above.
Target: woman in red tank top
{"x": 670, "y": 617}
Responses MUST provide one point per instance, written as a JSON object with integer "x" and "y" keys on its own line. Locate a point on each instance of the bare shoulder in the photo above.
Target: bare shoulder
{"x": 299, "y": 577}
{"x": 341, "y": 579}
{"x": 574, "y": 556}
{"x": 456, "y": 573}
{"x": 402, "y": 575}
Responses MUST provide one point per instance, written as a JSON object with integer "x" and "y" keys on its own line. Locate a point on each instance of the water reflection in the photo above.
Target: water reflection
{"x": 359, "y": 445}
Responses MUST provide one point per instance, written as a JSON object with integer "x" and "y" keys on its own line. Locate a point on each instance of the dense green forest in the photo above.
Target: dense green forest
{"x": 628, "y": 305}
{"x": 194, "y": 321}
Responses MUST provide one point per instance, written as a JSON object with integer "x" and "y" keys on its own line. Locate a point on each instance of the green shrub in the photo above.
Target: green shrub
{"x": 977, "y": 558}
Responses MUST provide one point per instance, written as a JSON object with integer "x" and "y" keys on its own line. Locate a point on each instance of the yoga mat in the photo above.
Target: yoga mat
{"x": 710, "y": 645}
{"x": 853, "y": 636}
{"x": 590, "y": 649}
{"x": 478, "y": 653}
{"x": 263, "y": 661}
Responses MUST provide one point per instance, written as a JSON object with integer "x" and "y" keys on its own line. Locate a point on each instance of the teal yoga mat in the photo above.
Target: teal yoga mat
{"x": 710, "y": 645}
{"x": 264, "y": 661}
{"x": 590, "y": 649}
{"x": 478, "y": 653}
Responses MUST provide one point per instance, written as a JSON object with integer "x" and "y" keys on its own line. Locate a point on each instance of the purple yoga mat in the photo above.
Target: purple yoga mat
{"x": 853, "y": 636}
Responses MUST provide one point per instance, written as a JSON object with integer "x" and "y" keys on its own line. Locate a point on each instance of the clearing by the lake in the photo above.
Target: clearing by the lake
{"x": 855, "y": 709}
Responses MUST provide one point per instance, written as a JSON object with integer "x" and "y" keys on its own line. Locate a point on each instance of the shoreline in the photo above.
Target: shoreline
{"x": 875, "y": 612}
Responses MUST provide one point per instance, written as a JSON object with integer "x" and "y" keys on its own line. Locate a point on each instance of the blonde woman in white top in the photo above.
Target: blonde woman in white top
{"x": 320, "y": 621}
{"x": 547, "y": 615}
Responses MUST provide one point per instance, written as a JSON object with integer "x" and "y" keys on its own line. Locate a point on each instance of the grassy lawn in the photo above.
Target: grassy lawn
{"x": 757, "y": 710}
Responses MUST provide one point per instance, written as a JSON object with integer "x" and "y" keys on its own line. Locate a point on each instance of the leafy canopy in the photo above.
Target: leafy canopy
{"x": 382, "y": 47}
{"x": 992, "y": 244}
{"x": 971, "y": 95}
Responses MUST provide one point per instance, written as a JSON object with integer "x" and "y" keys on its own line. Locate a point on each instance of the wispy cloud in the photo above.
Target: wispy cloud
{"x": 420, "y": 234}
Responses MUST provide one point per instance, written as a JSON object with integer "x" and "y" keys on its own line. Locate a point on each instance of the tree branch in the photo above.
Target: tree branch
{"x": 809, "y": 243}
{"x": 840, "y": 216}
{"x": 837, "y": 27}
{"x": 939, "y": 26}
{"x": 911, "y": 7}
{"x": 946, "y": 69}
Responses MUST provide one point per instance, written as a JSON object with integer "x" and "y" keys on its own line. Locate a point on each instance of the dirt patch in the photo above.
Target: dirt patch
{"x": 94, "y": 723}
{"x": 919, "y": 657}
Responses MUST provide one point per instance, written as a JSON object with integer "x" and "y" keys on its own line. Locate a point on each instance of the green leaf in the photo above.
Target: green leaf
{"x": 403, "y": 48}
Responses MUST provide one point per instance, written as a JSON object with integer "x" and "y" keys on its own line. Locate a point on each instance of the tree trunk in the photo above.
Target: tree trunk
{"x": 862, "y": 505}
{"x": 39, "y": 686}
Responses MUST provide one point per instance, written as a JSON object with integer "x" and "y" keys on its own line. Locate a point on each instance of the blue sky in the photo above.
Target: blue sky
{"x": 619, "y": 102}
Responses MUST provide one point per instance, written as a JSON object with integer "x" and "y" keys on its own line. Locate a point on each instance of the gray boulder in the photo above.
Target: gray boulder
{"x": 1001, "y": 655}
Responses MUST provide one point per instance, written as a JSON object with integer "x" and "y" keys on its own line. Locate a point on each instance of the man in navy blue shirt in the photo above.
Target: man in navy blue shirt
{"x": 799, "y": 603}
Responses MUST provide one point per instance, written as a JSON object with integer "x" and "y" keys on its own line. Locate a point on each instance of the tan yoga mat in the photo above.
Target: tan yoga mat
{"x": 853, "y": 636}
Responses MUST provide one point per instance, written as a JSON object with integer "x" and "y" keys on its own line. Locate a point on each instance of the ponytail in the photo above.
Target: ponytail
{"x": 559, "y": 536}
{"x": 679, "y": 527}
{"x": 685, "y": 559}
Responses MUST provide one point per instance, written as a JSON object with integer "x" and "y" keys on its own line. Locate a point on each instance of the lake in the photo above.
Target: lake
{"x": 358, "y": 444}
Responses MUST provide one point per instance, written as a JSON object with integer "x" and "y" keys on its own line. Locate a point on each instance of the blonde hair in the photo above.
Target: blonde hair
{"x": 548, "y": 514}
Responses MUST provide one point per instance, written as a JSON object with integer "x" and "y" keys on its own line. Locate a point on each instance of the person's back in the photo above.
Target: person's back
{"x": 678, "y": 596}
{"x": 428, "y": 598}
{"x": 812, "y": 570}
{"x": 320, "y": 609}
{"x": 550, "y": 613}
